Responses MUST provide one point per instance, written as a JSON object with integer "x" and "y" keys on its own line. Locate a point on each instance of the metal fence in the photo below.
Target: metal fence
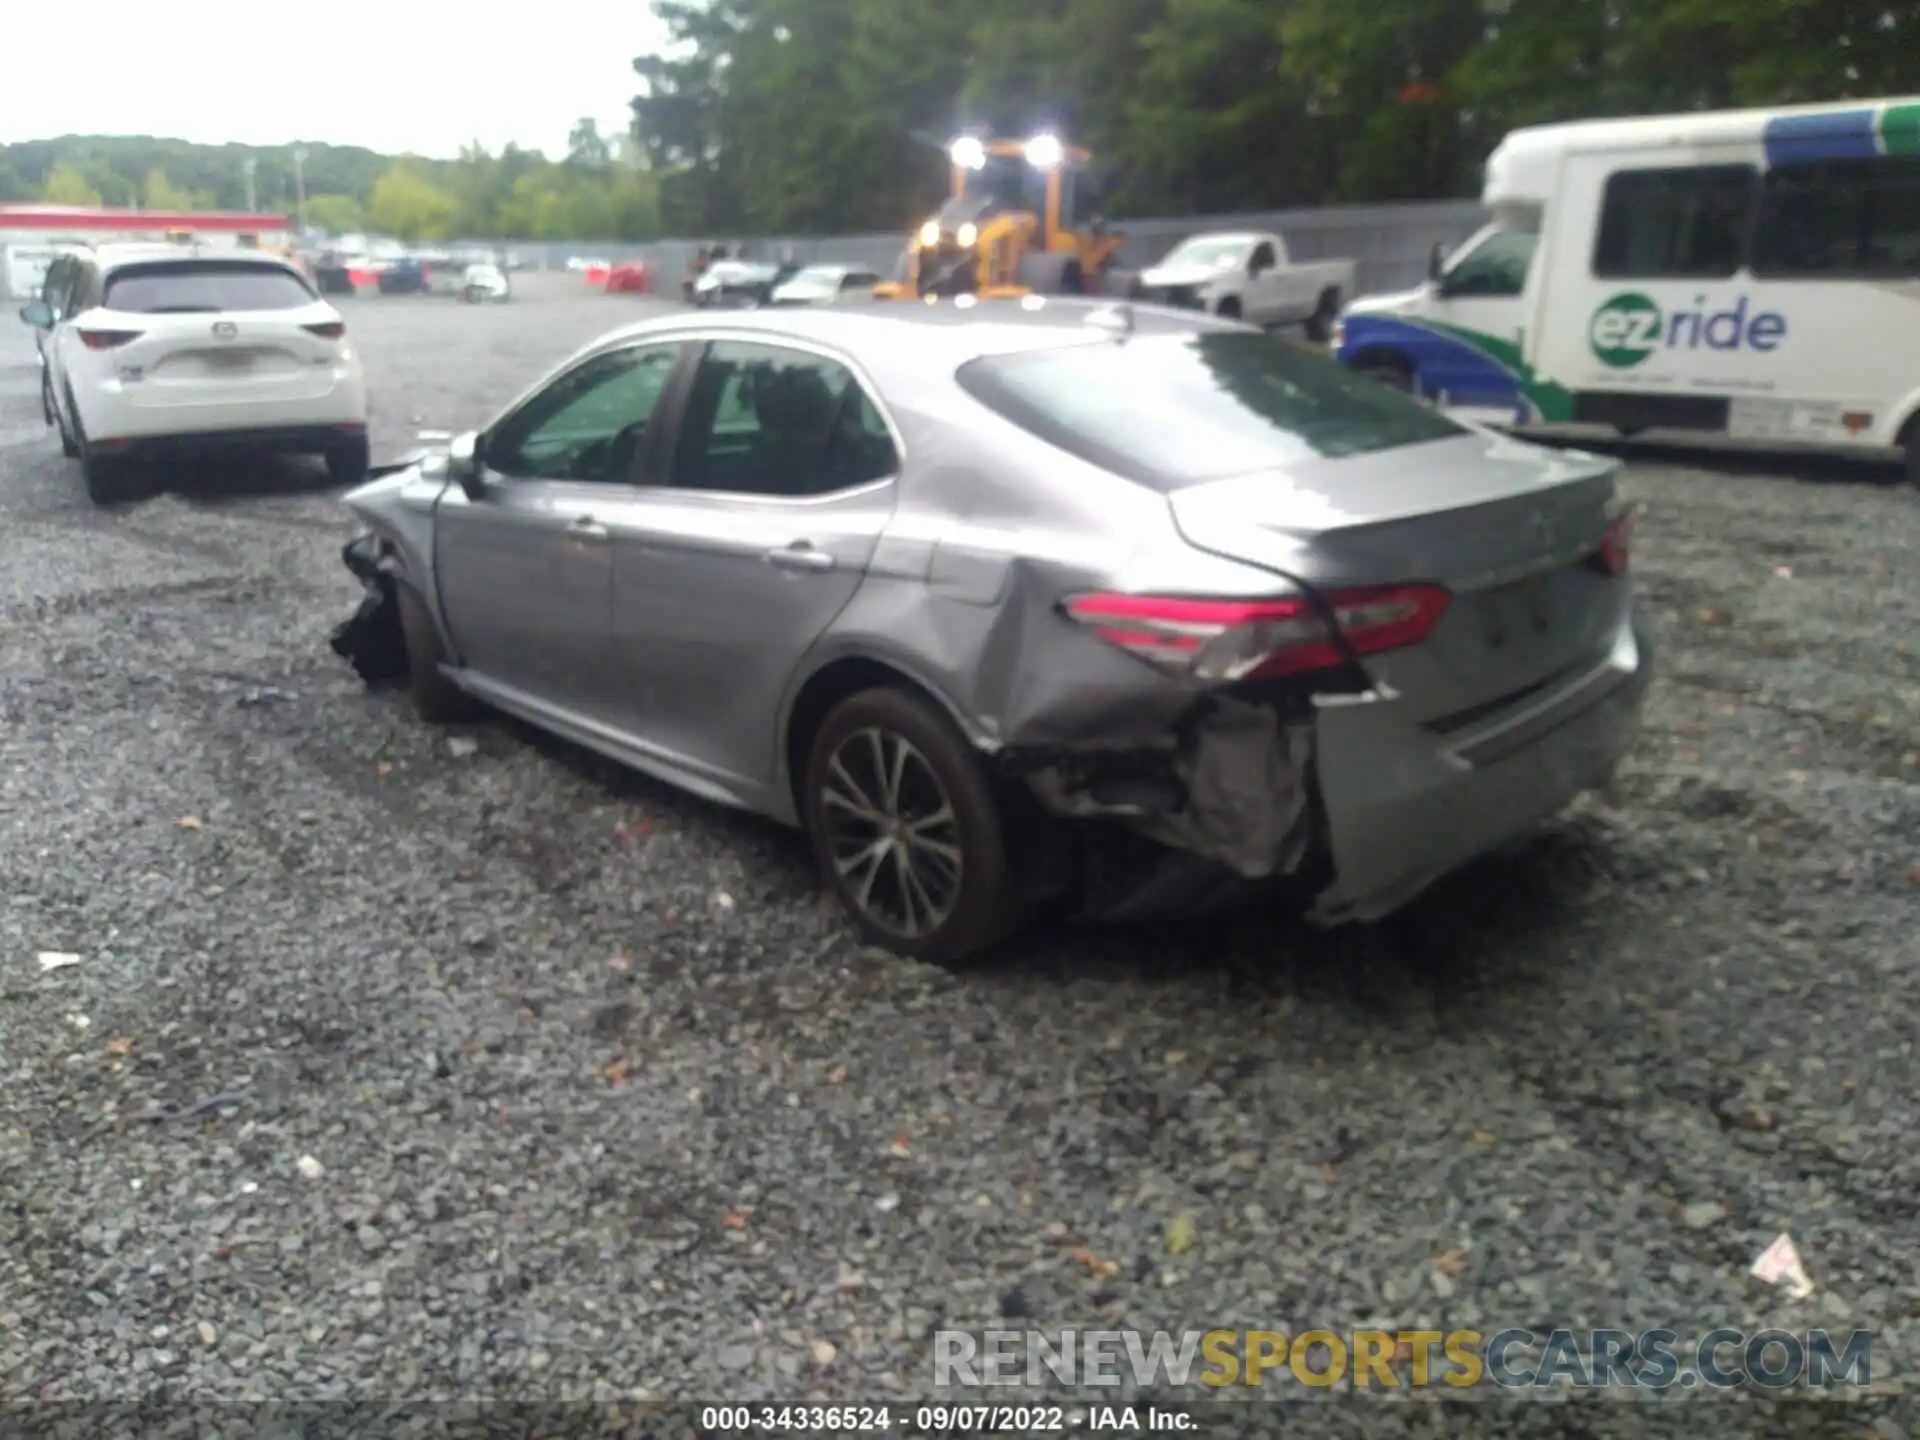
{"x": 1390, "y": 242}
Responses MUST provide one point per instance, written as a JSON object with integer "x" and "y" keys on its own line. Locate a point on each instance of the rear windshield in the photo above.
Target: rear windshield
{"x": 1173, "y": 411}
{"x": 175, "y": 287}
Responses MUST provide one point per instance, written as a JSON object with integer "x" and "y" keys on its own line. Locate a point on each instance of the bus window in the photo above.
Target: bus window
{"x": 1840, "y": 220}
{"x": 1682, "y": 224}
{"x": 1496, "y": 267}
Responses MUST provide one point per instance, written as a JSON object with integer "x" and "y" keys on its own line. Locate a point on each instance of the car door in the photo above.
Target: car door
{"x": 79, "y": 292}
{"x": 53, "y": 286}
{"x": 777, "y": 488}
{"x": 524, "y": 567}
{"x": 1266, "y": 286}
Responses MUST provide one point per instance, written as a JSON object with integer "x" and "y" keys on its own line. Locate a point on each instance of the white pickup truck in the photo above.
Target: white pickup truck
{"x": 1247, "y": 275}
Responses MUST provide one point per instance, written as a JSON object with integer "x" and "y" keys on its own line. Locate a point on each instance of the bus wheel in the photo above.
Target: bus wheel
{"x": 1389, "y": 370}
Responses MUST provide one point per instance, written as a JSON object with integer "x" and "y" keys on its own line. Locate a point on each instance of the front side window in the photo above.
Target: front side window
{"x": 1840, "y": 219}
{"x": 1681, "y": 224}
{"x": 1173, "y": 411}
{"x": 859, "y": 280}
{"x": 767, "y": 420}
{"x": 1496, "y": 267}
{"x": 174, "y": 287}
{"x": 589, "y": 424}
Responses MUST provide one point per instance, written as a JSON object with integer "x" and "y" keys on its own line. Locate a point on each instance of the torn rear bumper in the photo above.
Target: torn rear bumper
{"x": 1405, "y": 807}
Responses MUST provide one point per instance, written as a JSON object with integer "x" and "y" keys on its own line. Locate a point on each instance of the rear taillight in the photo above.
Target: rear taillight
{"x": 1617, "y": 544}
{"x": 328, "y": 330}
{"x": 1227, "y": 640}
{"x": 107, "y": 339}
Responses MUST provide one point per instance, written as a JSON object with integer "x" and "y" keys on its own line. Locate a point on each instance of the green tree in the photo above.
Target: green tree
{"x": 585, "y": 147}
{"x": 67, "y": 185}
{"x": 406, "y": 203}
{"x": 158, "y": 193}
{"x": 335, "y": 214}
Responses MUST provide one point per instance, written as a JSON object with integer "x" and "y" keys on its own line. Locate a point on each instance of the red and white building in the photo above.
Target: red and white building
{"x": 31, "y": 236}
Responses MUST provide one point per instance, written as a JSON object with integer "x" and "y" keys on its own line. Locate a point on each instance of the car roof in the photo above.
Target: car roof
{"x": 114, "y": 257}
{"x": 904, "y": 336}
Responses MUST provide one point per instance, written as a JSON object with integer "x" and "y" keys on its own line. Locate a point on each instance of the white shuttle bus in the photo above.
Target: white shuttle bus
{"x": 1750, "y": 274}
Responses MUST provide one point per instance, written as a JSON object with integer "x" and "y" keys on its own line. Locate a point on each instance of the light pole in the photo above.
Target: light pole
{"x": 300, "y": 190}
{"x": 249, "y": 165}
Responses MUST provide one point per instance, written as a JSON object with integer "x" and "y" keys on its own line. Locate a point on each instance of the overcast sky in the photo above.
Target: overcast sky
{"x": 399, "y": 75}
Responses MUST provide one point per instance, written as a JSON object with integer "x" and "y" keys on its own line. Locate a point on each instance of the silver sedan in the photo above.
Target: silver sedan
{"x": 1026, "y": 602}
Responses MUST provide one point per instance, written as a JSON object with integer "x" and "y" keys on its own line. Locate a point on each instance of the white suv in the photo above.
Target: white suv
{"x": 164, "y": 351}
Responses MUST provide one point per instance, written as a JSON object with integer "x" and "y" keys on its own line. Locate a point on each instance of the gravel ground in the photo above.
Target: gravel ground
{"x": 391, "y": 1070}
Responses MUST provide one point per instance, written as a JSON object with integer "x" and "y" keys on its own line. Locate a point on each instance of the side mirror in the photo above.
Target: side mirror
{"x": 38, "y": 314}
{"x": 463, "y": 463}
{"x": 1436, "y": 261}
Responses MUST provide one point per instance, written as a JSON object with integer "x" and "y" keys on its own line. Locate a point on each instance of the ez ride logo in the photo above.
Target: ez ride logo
{"x": 1630, "y": 327}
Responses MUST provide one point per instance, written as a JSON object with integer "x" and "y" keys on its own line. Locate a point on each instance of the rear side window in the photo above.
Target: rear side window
{"x": 1173, "y": 411}
{"x": 173, "y": 287}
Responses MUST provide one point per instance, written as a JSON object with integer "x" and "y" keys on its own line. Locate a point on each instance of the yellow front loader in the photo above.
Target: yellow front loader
{"x": 1010, "y": 227}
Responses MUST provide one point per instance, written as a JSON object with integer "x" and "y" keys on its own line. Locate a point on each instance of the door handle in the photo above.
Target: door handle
{"x": 586, "y": 529}
{"x": 800, "y": 556}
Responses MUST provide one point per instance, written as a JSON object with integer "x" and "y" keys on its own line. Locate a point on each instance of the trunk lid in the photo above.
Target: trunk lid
{"x": 199, "y": 357}
{"x": 1509, "y": 528}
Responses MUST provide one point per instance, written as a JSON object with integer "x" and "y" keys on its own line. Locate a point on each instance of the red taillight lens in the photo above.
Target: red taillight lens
{"x": 1227, "y": 640}
{"x": 1617, "y": 544}
{"x": 328, "y": 330}
{"x": 107, "y": 339}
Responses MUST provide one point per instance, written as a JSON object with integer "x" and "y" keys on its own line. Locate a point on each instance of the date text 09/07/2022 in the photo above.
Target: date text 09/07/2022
{"x": 941, "y": 1419}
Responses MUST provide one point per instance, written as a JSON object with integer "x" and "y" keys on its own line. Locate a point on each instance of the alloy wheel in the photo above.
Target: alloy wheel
{"x": 891, "y": 832}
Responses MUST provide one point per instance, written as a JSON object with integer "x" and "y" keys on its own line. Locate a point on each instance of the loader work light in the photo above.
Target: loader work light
{"x": 967, "y": 153}
{"x": 1045, "y": 152}
{"x": 930, "y": 234}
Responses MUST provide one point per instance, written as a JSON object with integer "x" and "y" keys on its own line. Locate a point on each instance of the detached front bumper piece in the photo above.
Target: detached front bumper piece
{"x": 371, "y": 640}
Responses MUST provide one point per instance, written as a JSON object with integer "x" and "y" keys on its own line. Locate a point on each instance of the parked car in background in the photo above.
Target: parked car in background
{"x": 628, "y": 277}
{"x": 405, "y": 276}
{"x": 485, "y": 281}
{"x": 826, "y": 285}
{"x": 1247, "y": 275}
{"x": 1277, "y": 629}
{"x": 740, "y": 284}
{"x": 331, "y": 274}
{"x": 156, "y": 351}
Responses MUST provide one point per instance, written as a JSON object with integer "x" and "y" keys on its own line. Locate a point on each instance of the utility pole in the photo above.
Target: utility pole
{"x": 249, "y": 165}
{"x": 300, "y": 190}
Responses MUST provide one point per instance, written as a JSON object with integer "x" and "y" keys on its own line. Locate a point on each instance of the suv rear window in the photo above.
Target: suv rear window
{"x": 1173, "y": 411}
{"x": 184, "y": 287}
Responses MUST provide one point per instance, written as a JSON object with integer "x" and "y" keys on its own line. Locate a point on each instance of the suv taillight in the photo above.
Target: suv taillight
{"x": 328, "y": 329}
{"x": 1616, "y": 545}
{"x": 107, "y": 339}
{"x": 1221, "y": 641}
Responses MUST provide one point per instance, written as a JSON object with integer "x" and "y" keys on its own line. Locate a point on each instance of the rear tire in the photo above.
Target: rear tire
{"x": 436, "y": 699}
{"x": 907, "y": 829}
{"x": 1910, "y": 442}
{"x": 110, "y": 480}
{"x": 1320, "y": 323}
{"x": 349, "y": 461}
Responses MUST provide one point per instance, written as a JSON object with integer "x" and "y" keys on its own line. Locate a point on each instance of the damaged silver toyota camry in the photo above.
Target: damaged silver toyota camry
{"x": 1022, "y": 603}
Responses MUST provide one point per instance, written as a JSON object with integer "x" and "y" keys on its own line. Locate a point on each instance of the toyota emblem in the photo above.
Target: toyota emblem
{"x": 225, "y": 329}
